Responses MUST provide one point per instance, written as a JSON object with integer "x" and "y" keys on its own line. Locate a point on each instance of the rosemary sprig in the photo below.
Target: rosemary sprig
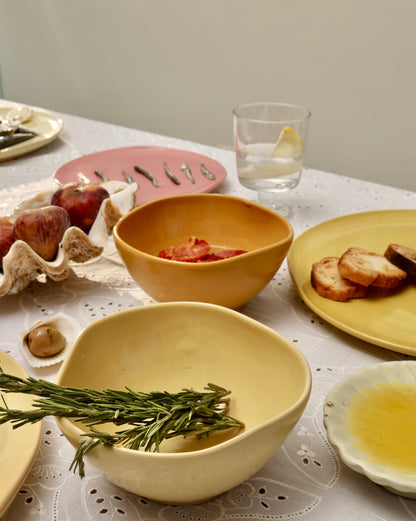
{"x": 151, "y": 417}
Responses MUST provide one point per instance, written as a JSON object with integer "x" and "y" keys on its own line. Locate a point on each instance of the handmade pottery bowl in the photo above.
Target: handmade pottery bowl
{"x": 172, "y": 346}
{"x": 370, "y": 418}
{"x": 224, "y": 222}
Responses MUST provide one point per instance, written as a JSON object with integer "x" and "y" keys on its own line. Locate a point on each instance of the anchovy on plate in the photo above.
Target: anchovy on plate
{"x": 147, "y": 174}
{"x": 100, "y": 174}
{"x": 128, "y": 177}
{"x": 187, "y": 171}
{"x": 83, "y": 178}
{"x": 207, "y": 173}
{"x": 171, "y": 176}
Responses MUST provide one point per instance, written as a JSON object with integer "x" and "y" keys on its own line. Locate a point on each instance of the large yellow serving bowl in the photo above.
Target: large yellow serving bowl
{"x": 171, "y": 346}
{"x": 223, "y": 221}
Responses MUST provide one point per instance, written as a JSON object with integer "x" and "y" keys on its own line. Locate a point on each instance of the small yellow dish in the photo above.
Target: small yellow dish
{"x": 224, "y": 222}
{"x": 171, "y": 346}
{"x": 371, "y": 418}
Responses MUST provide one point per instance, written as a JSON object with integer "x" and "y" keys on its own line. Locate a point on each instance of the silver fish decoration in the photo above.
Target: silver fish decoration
{"x": 171, "y": 176}
{"x": 14, "y": 139}
{"x": 148, "y": 175}
{"x": 83, "y": 178}
{"x": 207, "y": 173}
{"x": 128, "y": 177}
{"x": 102, "y": 176}
{"x": 187, "y": 171}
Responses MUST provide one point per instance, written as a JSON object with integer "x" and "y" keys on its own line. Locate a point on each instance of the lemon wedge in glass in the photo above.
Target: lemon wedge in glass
{"x": 289, "y": 144}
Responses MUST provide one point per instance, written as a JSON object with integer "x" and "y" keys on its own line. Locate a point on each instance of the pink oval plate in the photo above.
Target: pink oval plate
{"x": 113, "y": 162}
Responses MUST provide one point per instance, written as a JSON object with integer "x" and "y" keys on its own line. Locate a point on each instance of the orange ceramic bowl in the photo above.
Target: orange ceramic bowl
{"x": 223, "y": 221}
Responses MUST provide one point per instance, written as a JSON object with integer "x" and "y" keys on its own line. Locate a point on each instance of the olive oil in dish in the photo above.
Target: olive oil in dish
{"x": 382, "y": 421}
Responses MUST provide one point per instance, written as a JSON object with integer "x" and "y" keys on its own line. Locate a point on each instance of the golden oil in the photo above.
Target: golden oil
{"x": 382, "y": 420}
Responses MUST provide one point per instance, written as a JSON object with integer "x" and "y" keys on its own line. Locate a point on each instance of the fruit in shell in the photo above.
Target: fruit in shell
{"x": 81, "y": 201}
{"x": 6, "y": 237}
{"x": 42, "y": 229}
{"x": 22, "y": 264}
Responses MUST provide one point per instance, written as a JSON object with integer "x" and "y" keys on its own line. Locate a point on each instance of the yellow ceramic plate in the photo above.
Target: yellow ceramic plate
{"x": 44, "y": 124}
{"x": 18, "y": 447}
{"x": 386, "y": 320}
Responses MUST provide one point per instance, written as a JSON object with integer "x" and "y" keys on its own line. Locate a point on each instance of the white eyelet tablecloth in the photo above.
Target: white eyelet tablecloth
{"x": 305, "y": 478}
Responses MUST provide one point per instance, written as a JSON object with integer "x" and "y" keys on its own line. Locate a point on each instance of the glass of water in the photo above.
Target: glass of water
{"x": 270, "y": 142}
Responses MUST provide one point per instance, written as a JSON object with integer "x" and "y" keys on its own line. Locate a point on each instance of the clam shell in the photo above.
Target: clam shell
{"x": 22, "y": 265}
{"x": 66, "y": 325}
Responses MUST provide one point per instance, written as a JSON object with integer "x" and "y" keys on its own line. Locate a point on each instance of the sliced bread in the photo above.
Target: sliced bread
{"x": 368, "y": 268}
{"x": 403, "y": 257}
{"x": 328, "y": 282}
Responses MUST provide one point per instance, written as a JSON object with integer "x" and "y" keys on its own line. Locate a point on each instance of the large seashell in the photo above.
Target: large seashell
{"x": 22, "y": 265}
{"x": 63, "y": 323}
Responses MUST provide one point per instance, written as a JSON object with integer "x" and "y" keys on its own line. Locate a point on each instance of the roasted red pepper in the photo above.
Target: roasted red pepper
{"x": 196, "y": 250}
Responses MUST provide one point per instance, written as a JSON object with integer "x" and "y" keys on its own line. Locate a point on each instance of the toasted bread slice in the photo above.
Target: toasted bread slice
{"x": 328, "y": 283}
{"x": 403, "y": 257}
{"x": 370, "y": 269}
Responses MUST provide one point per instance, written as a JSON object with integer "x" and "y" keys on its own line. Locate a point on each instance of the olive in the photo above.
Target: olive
{"x": 45, "y": 341}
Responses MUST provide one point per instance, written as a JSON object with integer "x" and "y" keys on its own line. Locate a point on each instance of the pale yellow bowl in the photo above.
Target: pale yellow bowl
{"x": 172, "y": 346}
{"x": 221, "y": 220}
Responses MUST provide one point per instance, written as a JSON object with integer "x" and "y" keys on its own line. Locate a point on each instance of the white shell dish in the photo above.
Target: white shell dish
{"x": 66, "y": 325}
{"x": 22, "y": 265}
{"x": 336, "y": 407}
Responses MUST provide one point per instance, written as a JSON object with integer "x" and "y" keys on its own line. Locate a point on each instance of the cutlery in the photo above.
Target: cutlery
{"x": 13, "y": 139}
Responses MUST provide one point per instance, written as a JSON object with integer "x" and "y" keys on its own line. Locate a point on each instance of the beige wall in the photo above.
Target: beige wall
{"x": 178, "y": 67}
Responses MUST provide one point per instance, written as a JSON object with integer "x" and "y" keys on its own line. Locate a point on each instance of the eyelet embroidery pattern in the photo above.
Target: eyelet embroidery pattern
{"x": 303, "y": 476}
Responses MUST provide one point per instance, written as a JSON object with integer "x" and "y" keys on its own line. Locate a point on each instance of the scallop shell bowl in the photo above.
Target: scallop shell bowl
{"x": 75, "y": 246}
{"x": 176, "y": 345}
{"x": 388, "y": 472}
{"x": 225, "y": 222}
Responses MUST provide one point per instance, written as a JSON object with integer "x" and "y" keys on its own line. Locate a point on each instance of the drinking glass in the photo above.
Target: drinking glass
{"x": 270, "y": 142}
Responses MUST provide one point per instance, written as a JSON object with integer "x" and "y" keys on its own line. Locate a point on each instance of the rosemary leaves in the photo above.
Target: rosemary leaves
{"x": 150, "y": 417}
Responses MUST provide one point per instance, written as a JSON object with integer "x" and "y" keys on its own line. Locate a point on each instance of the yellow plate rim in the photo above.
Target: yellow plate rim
{"x": 21, "y": 444}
